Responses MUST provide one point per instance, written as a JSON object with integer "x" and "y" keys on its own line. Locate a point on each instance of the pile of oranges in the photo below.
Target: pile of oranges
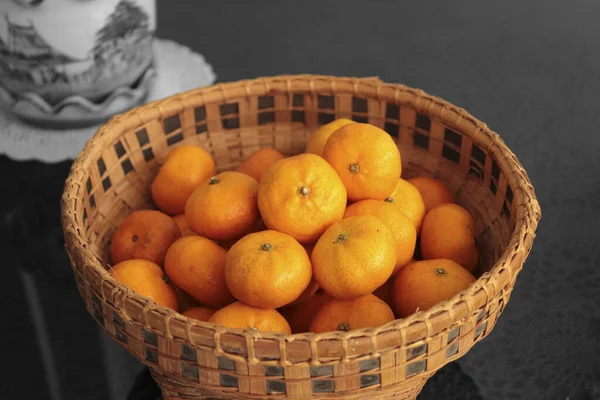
{"x": 330, "y": 239}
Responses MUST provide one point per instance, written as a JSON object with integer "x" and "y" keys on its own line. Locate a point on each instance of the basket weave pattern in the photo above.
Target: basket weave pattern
{"x": 191, "y": 359}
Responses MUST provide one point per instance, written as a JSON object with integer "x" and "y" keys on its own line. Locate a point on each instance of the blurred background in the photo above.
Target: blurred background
{"x": 530, "y": 70}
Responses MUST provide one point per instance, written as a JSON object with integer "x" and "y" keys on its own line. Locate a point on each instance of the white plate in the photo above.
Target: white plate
{"x": 179, "y": 69}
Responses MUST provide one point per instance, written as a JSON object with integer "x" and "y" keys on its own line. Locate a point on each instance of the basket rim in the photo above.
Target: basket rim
{"x": 483, "y": 289}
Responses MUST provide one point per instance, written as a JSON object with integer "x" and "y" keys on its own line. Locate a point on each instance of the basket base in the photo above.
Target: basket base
{"x": 407, "y": 391}
{"x": 392, "y": 396}
{"x": 175, "y": 388}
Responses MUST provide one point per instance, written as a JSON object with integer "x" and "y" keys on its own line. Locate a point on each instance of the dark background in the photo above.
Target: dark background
{"x": 530, "y": 70}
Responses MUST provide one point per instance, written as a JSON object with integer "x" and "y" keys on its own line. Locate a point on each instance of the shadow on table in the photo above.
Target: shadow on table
{"x": 144, "y": 388}
{"x": 45, "y": 327}
{"x": 449, "y": 383}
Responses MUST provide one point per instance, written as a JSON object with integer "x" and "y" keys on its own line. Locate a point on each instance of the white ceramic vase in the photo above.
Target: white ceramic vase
{"x": 75, "y": 62}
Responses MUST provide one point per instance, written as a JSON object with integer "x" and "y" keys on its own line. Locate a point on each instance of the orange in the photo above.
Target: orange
{"x": 310, "y": 290}
{"x": 242, "y": 316}
{"x": 366, "y": 159}
{"x": 258, "y": 227}
{"x": 354, "y": 257}
{"x": 449, "y": 232}
{"x": 256, "y": 164}
{"x": 267, "y": 269}
{"x": 301, "y": 196}
{"x": 401, "y": 226}
{"x": 147, "y": 279}
{"x": 196, "y": 265}
{"x": 313, "y": 286}
{"x": 184, "y": 168}
{"x": 309, "y": 247}
{"x": 224, "y": 206}
{"x": 417, "y": 256}
{"x": 317, "y": 140}
{"x": 144, "y": 234}
{"x": 183, "y": 226}
{"x": 422, "y": 284}
{"x": 185, "y": 300}
{"x": 226, "y": 244}
{"x": 366, "y": 311}
{"x": 386, "y": 291}
{"x": 408, "y": 199}
{"x": 432, "y": 191}
{"x": 300, "y": 316}
{"x": 199, "y": 313}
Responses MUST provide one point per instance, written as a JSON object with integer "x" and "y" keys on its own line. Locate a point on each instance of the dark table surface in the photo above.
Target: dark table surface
{"x": 529, "y": 69}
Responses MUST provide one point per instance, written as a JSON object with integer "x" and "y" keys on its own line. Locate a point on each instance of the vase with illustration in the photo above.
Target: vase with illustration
{"x": 69, "y": 63}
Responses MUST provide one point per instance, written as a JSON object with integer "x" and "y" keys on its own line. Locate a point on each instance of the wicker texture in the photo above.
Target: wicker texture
{"x": 190, "y": 359}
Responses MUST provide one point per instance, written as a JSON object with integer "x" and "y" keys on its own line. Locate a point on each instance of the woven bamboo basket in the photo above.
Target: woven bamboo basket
{"x": 193, "y": 360}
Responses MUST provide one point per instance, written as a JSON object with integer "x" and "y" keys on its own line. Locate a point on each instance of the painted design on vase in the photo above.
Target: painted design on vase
{"x": 121, "y": 53}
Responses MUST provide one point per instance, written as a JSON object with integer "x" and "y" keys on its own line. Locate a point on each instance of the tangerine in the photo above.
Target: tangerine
{"x": 242, "y": 316}
{"x": 367, "y": 311}
{"x": 267, "y": 269}
{"x": 354, "y": 257}
{"x": 319, "y": 138}
{"x": 386, "y": 291}
{"x": 449, "y": 232}
{"x": 224, "y": 206}
{"x": 433, "y": 192}
{"x": 367, "y": 160}
{"x": 144, "y": 234}
{"x": 401, "y": 226}
{"x": 408, "y": 199}
{"x": 196, "y": 265}
{"x": 257, "y": 163}
{"x": 184, "y": 168}
{"x": 199, "y": 313}
{"x": 183, "y": 226}
{"x": 422, "y": 284}
{"x": 147, "y": 279}
{"x": 301, "y": 196}
{"x": 300, "y": 316}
